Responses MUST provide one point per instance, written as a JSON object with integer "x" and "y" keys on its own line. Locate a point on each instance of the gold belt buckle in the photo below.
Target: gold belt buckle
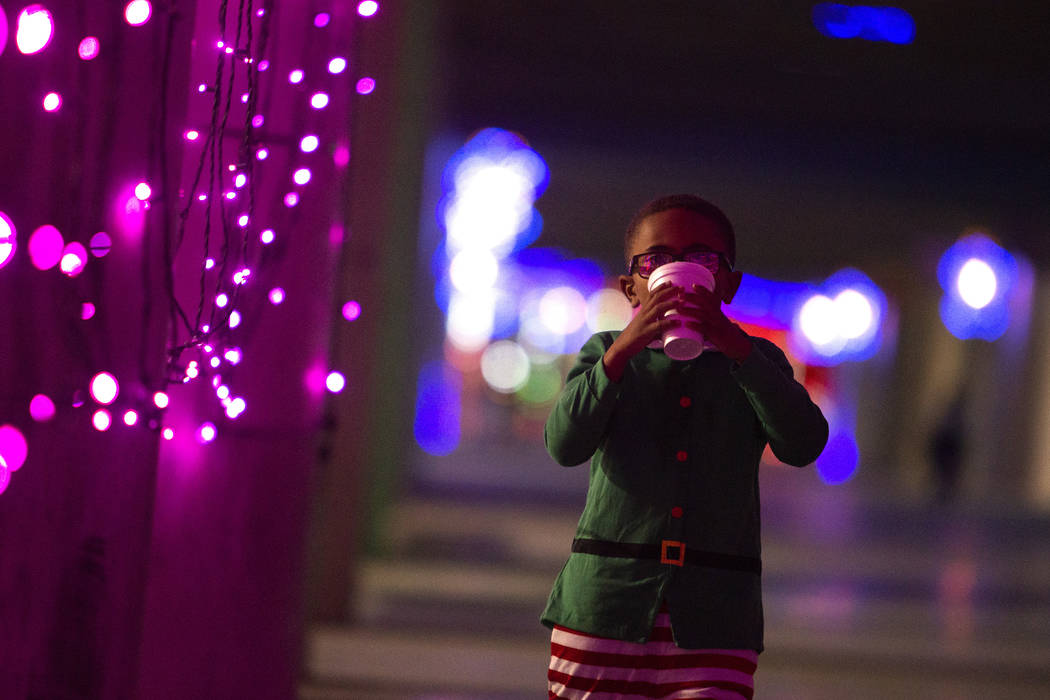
{"x": 678, "y": 560}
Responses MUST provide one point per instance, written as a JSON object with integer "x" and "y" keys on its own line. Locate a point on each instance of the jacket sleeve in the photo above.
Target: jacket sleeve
{"x": 795, "y": 427}
{"x": 578, "y": 421}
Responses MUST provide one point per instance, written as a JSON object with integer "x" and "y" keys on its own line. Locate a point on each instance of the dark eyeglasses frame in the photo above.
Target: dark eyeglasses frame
{"x": 632, "y": 267}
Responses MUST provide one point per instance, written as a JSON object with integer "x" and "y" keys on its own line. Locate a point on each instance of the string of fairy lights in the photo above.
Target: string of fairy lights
{"x": 219, "y": 205}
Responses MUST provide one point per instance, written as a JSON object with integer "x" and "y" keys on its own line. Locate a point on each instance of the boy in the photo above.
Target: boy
{"x": 665, "y": 562}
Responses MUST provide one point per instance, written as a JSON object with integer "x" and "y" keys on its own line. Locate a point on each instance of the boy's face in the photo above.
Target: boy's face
{"x": 678, "y": 231}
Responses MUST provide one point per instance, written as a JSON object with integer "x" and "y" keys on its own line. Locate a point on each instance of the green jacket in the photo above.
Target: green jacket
{"x": 676, "y": 448}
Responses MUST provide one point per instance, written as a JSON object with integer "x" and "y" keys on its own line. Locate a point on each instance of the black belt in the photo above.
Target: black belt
{"x": 668, "y": 552}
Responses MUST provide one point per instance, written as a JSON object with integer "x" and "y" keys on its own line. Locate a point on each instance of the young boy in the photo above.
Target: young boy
{"x": 666, "y": 560}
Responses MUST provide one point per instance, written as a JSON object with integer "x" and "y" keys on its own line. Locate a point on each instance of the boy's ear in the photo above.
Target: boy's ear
{"x": 732, "y": 285}
{"x": 627, "y": 287}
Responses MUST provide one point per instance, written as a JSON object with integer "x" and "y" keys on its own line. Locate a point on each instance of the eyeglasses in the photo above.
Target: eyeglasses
{"x": 646, "y": 263}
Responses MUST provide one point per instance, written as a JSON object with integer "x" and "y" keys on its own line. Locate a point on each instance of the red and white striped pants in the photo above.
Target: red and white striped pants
{"x": 585, "y": 667}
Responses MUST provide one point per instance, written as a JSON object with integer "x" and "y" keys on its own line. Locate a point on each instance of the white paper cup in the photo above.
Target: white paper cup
{"x": 682, "y": 342}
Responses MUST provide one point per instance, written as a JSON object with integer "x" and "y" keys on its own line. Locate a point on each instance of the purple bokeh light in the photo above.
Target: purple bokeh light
{"x": 321, "y": 19}
{"x": 351, "y": 310}
{"x": 100, "y": 244}
{"x": 41, "y": 408}
{"x": 34, "y": 30}
{"x": 45, "y": 247}
{"x": 365, "y": 86}
{"x": 88, "y": 48}
{"x": 13, "y": 447}
{"x": 87, "y": 311}
{"x": 276, "y": 296}
{"x": 3, "y": 30}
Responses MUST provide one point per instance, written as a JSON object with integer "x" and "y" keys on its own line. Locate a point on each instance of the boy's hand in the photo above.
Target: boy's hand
{"x": 646, "y": 326}
{"x": 702, "y": 310}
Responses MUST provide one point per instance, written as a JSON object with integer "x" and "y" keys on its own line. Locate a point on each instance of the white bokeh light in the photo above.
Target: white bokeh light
{"x": 818, "y": 320}
{"x": 563, "y": 310}
{"x": 608, "y": 310}
{"x": 104, "y": 388}
{"x": 505, "y": 366}
{"x": 34, "y": 29}
{"x": 138, "y": 12}
{"x": 470, "y": 320}
{"x": 976, "y": 283}
{"x": 473, "y": 270}
{"x": 855, "y": 314}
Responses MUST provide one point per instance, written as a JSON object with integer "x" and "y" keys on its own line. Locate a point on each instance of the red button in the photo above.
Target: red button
{"x": 685, "y": 402}
{"x": 682, "y": 455}
{"x": 676, "y": 512}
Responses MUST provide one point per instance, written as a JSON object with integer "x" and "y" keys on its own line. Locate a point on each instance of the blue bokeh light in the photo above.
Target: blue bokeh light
{"x": 438, "y": 407}
{"x": 840, "y": 21}
{"x": 838, "y": 462}
{"x": 990, "y": 319}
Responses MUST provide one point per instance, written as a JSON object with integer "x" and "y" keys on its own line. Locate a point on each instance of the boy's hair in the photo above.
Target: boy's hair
{"x": 691, "y": 202}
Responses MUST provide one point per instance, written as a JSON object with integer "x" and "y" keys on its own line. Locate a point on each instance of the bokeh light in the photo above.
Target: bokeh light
{"x": 337, "y": 65}
{"x": 321, "y": 19}
{"x": 309, "y": 143}
{"x": 505, "y": 366}
{"x": 563, "y": 310}
{"x": 131, "y": 417}
{"x": 276, "y": 295}
{"x": 301, "y": 176}
{"x": 367, "y": 8}
{"x": 41, "y": 408}
{"x": 160, "y": 399}
{"x": 89, "y": 48}
{"x": 87, "y": 311}
{"x": 102, "y": 420}
{"x": 3, "y": 30}
{"x": 319, "y": 100}
{"x": 365, "y": 86}
{"x": 45, "y": 247}
{"x": 608, "y": 310}
{"x": 473, "y": 270}
{"x": 351, "y": 310}
{"x": 74, "y": 258}
{"x": 206, "y": 433}
{"x": 104, "y": 388}
{"x": 335, "y": 382}
{"x": 143, "y": 191}
{"x": 34, "y": 29}
{"x": 100, "y": 244}
{"x": 983, "y": 287}
{"x": 13, "y": 447}
{"x": 296, "y": 76}
{"x": 138, "y": 12}
{"x": 52, "y": 102}
{"x": 267, "y": 236}
{"x": 976, "y": 283}
{"x": 842, "y": 321}
{"x": 8, "y": 239}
